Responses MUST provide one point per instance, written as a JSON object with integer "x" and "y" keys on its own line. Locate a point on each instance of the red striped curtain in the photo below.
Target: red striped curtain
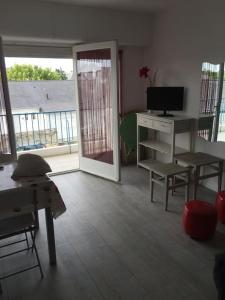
{"x": 95, "y": 104}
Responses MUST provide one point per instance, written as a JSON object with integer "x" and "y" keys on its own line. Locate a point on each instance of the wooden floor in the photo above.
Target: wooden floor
{"x": 113, "y": 244}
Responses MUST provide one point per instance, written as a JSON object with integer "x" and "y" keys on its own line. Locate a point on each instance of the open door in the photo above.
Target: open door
{"x": 7, "y": 137}
{"x": 95, "y": 69}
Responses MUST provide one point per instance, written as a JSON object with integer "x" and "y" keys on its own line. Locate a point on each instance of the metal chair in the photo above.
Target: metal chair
{"x": 22, "y": 219}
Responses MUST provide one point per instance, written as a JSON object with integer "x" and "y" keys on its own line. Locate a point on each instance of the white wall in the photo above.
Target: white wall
{"x": 34, "y": 20}
{"x": 133, "y": 89}
{"x": 184, "y": 37}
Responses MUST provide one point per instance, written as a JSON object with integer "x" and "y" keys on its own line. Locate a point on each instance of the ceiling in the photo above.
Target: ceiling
{"x": 128, "y": 5}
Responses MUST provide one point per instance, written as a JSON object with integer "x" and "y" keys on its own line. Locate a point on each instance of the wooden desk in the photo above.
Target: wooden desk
{"x": 169, "y": 125}
{"x": 7, "y": 185}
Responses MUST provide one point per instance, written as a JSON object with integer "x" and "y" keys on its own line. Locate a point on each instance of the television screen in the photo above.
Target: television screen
{"x": 165, "y": 98}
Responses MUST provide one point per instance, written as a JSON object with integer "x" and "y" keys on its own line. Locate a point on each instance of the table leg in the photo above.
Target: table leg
{"x": 34, "y": 186}
{"x": 50, "y": 236}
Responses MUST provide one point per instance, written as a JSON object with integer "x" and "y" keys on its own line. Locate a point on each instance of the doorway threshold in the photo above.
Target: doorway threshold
{"x": 62, "y": 172}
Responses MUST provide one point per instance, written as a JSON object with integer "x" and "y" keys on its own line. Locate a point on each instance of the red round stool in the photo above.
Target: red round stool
{"x": 220, "y": 206}
{"x": 199, "y": 219}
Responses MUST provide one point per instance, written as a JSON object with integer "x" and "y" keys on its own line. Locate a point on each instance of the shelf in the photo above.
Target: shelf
{"x": 161, "y": 146}
{"x": 156, "y": 145}
{"x": 179, "y": 150}
{"x": 147, "y": 163}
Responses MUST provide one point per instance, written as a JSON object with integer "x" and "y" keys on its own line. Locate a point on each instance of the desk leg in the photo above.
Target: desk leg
{"x": 50, "y": 236}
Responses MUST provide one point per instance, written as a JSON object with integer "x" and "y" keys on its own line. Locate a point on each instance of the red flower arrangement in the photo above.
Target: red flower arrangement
{"x": 144, "y": 72}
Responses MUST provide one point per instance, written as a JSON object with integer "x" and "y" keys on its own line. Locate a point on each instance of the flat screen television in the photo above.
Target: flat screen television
{"x": 165, "y": 99}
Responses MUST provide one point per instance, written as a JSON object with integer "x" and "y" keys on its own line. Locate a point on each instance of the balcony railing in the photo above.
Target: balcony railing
{"x": 43, "y": 129}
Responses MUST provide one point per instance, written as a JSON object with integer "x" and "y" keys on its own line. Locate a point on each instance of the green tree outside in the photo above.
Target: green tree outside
{"x": 30, "y": 72}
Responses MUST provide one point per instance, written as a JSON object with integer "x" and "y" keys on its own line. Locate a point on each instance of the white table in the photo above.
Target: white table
{"x": 7, "y": 184}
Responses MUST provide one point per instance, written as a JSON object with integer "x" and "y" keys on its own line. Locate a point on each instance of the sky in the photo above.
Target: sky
{"x": 56, "y": 63}
{"x": 52, "y": 63}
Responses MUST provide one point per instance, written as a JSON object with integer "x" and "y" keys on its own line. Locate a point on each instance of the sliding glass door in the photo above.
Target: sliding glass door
{"x": 95, "y": 68}
{"x": 7, "y": 140}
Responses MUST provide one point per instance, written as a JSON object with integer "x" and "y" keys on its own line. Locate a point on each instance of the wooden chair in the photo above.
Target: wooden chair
{"x": 165, "y": 175}
{"x": 20, "y": 220}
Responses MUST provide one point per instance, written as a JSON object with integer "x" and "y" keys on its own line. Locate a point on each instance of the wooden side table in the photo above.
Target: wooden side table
{"x": 171, "y": 126}
{"x": 164, "y": 174}
{"x": 199, "y": 160}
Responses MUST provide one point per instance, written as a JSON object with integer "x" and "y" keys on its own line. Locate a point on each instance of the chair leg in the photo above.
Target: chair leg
{"x": 34, "y": 248}
{"x": 38, "y": 260}
{"x": 1, "y": 291}
{"x": 187, "y": 185}
{"x": 196, "y": 180}
{"x": 166, "y": 191}
{"x": 173, "y": 190}
{"x": 173, "y": 182}
{"x": 151, "y": 186}
{"x": 33, "y": 236}
{"x": 28, "y": 246}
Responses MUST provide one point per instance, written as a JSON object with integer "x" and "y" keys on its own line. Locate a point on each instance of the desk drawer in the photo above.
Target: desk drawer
{"x": 144, "y": 122}
{"x": 162, "y": 126}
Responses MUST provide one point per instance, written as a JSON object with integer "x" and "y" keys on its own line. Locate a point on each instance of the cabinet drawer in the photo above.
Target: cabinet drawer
{"x": 162, "y": 126}
{"x": 144, "y": 122}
